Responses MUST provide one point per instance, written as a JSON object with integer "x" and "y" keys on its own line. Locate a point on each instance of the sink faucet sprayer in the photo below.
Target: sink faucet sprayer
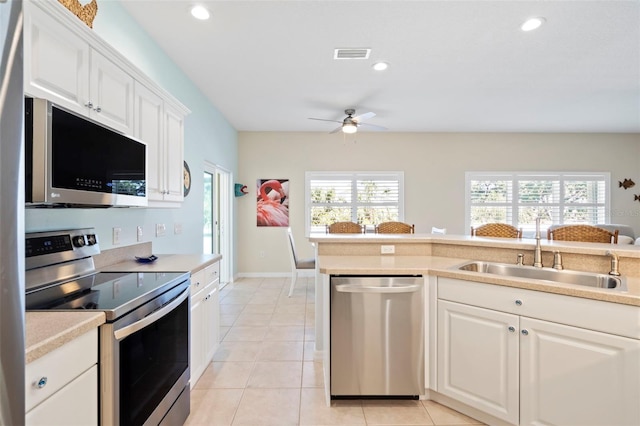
{"x": 537, "y": 254}
{"x": 614, "y": 263}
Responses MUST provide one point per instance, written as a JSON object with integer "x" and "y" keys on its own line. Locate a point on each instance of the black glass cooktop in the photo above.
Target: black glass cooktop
{"x": 113, "y": 292}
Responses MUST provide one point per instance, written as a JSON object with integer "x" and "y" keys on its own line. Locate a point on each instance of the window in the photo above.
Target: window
{"x": 517, "y": 198}
{"x": 367, "y": 198}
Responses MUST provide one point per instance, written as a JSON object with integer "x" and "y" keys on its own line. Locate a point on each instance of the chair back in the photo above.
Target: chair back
{"x": 435, "y": 230}
{"x": 292, "y": 249}
{"x": 584, "y": 233}
{"x": 345, "y": 228}
{"x": 501, "y": 230}
{"x": 395, "y": 228}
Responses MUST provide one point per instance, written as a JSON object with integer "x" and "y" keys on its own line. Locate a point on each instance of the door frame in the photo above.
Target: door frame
{"x": 222, "y": 218}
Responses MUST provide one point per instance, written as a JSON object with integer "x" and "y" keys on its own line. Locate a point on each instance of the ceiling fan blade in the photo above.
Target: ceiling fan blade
{"x": 336, "y": 130}
{"x": 323, "y": 119}
{"x": 372, "y": 126}
{"x": 362, "y": 117}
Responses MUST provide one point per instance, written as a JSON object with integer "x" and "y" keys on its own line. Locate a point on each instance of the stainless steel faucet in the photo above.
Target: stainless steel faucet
{"x": 614, "y": 263}
{"x": 537, "y": 254}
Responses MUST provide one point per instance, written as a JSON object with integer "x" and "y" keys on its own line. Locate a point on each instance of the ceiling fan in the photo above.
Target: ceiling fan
{"x": 350, "y": 124}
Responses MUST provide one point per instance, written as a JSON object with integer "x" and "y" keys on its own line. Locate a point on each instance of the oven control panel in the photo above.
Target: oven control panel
{"x": 46, "y": 248}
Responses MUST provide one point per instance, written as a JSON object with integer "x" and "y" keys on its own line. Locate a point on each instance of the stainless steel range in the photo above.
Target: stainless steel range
{"x": 144, "y": 345}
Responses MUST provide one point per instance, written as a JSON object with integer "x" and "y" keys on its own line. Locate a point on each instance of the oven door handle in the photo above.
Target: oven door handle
{"x": 154, "y": 316}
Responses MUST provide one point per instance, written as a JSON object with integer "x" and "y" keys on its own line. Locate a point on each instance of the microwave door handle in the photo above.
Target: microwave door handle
{"x": 154, "y": 316}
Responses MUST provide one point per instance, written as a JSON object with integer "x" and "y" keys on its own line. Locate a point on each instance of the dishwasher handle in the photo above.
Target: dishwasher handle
{"x": 355, "y": 288}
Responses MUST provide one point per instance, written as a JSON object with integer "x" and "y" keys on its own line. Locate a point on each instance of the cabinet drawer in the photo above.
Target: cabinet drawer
{"x": 198, "y": 282}
{"x": 615, "y": 318}
{"x": 59, "y": 367}
{"x": 212, "y": 272}
{"x": 74, "y": 404}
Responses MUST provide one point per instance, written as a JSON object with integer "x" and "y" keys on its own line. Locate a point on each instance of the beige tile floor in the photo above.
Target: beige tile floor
{"x": 264, "y": 374}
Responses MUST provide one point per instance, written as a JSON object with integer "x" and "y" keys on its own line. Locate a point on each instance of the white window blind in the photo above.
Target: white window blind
{"x": 365, "y": 198}
{"x": 517, "y": 198}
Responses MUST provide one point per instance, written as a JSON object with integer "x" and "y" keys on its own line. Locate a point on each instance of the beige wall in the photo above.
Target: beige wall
{"x": 434, "y": 168}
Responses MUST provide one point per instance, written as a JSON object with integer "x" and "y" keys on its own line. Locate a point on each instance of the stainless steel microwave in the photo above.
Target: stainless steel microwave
{"x": 71, "y": 161}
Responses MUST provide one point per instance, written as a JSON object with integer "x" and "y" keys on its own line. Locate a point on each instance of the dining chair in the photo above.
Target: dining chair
{"x": 297, "y": 265}
{"x": 395, "y": 228}
{"x": 345, "y": 228}
{"x": 584, "y": 233}
{"x": 501, "y": 230}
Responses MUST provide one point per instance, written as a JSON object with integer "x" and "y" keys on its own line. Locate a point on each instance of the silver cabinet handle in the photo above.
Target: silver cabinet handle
{"x": 518, "y": 302}
{"x": 41, "y": 383}
{"x": 525, "y": 332}
{"x": 512, "y": 329}
{"x": 89, "y": 104}
{"x": 346, "y": 288}
{"x": 98, "y": 109}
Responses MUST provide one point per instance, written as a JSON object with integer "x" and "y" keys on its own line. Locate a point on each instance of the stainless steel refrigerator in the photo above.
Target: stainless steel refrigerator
{"x": 11, "y": 215}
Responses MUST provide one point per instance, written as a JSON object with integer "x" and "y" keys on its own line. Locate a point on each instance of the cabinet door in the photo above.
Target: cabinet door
{"x": 149, "y": 127}
{"x": 174, "y": 148}
{"x": 74, "y": 404}
{"x": 573, "y": 376}
{"x": 56, "y": 61}
{"x": 197, "y": 341}
{"x": 111, "y": 94}
{"x": 478, "y": 358}
{"x": 212, "y": 319}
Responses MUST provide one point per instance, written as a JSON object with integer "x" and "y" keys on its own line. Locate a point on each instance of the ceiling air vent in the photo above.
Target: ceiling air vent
{"x": 351, "y": 53}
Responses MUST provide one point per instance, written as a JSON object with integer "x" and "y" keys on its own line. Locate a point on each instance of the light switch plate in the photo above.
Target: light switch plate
{"x": 116, "y": 235}
{"x": 160, "y": 229}
{"x": 139, "y": 233}
{"x": 387, "y": 249}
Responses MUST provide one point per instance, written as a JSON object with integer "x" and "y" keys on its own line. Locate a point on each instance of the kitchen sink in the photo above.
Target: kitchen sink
{"x": 588, "y": 279}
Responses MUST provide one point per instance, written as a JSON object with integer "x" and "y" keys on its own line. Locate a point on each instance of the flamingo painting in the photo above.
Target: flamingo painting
{"x": 273, "y": 203}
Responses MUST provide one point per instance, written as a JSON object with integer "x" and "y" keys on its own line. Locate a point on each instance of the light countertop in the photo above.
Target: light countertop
{"x": 167, "y": 263}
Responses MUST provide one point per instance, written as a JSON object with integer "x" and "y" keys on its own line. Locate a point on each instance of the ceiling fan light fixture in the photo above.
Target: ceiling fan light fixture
{"x": 349, "y": 128}
{"x": 532, "y": 23}
{"x": 200, "y": 12}
{"x": 380, "y": 66}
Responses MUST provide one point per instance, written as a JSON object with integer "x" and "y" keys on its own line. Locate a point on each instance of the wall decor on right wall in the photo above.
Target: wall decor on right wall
{"x": 626, "y": 183}
{"x": 272, "y": 207}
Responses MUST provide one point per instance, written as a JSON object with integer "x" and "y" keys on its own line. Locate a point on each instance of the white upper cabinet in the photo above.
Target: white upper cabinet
{"x": 161, "y": 127}
{"x": 62, "y": 67}
{"x": 68, "y": 64}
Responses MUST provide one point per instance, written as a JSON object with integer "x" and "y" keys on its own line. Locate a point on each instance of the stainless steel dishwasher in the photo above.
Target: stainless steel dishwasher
{"x": 377, "y": 336}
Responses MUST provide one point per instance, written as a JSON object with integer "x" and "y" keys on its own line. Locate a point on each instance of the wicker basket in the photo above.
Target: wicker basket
{"x": 85, "y": 13}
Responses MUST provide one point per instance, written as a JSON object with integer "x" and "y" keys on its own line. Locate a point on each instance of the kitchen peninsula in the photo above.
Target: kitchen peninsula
{"x": 502, "y": 349}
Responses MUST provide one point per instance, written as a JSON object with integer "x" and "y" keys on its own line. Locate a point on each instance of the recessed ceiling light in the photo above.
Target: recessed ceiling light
{"x": 200, "y": 12}
{"x": 380, "y": 66}
{"x": 532, "y": 23}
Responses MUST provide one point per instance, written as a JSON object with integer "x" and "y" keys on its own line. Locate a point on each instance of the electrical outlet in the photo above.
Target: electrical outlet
{"x": 387, "y": 249}
{"x": 177, "y": 228}
{"x": 116, "y": 235}
{"x": 139, "y": 233}
{"x": 160, "y": 229}
{"x": 262, "y": 253}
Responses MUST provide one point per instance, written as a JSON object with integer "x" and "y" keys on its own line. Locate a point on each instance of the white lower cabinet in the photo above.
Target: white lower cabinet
{"x": 573, "y": 376}
{"x": 205, "y": 319}
{"x": 62, "y": 386}
{"x": 478, "y": 358}
{"x": 530, "y": 371}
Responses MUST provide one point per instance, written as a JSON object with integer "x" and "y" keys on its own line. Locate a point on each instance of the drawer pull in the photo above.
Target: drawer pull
{"x": 512, "y": 329}
{"x": 525, "y": 332}
{"x": 518, "y": 302}
{"x": 41, "y": 383}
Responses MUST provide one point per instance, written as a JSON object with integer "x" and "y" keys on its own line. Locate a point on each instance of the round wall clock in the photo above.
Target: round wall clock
{"x": 187, "y": 179}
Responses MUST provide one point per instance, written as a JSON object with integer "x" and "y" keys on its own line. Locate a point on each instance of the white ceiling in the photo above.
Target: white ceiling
{"x": 460, "y": 66}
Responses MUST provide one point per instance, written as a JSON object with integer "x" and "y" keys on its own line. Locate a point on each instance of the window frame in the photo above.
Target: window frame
{"x": 353, "y": 176}
{"x": 515, "y": 177}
